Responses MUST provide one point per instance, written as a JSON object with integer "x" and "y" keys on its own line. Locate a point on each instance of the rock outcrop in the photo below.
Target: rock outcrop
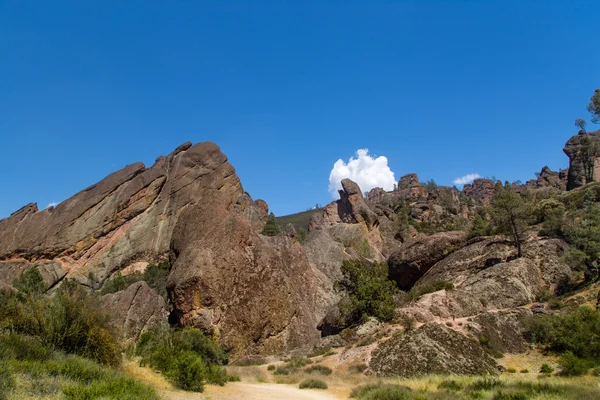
{"x": 486, "y": 275}
{"x": 407, "y": 265}
{"x": 430, "y": 349}
{"x": 136, "y": 310}
{"x": 251, "y": 291}
{"x": 583, "y": 160}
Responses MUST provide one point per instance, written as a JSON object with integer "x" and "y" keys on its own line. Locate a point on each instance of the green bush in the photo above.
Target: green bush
{"x": 71, "y": 320}
{"x": 187, "y": 357}
{"x": 511, "y": 370}
{"x": 282, "y": 371}
{"x": 524, "y": 371}
{"x": 577, "y": 332}
{"x": 271, "y": 368}
{"x": 318, "y": 369}
{"x": 368, "y": 290}
{"x": 571, "y": 365}
{"x": 187, "y": 371}
{"x": 271, "y": 227}
{"x": 313, "y": 384}
{"x": 546, "y": 369}
{"x": 30, "y": 282}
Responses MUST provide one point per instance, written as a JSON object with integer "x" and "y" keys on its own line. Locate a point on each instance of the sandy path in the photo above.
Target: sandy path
{"x": 251, "y": 391}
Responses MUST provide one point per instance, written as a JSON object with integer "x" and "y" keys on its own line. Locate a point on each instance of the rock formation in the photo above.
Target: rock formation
{"x": 430, "y": 349}
{"x": 253, "y": 292}
{"x": 583, "y": 160}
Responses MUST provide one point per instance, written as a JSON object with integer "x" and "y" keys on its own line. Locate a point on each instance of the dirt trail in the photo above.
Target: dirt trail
{"x": 250, "y": 391}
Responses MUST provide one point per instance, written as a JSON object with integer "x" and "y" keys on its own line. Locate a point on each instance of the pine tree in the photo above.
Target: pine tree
{"x": 271, "y": 228}
{"x": 511, "y": 214}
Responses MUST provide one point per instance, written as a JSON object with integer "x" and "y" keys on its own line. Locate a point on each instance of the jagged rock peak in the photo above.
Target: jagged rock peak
{"x": 581, "y": 166}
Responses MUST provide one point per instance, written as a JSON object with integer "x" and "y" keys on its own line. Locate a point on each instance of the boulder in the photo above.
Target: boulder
{"x": 481, "y": 190}
{"x": 503, "y": 329}
{"x": 407, "y": 265}
{"x": 430, "y": 349}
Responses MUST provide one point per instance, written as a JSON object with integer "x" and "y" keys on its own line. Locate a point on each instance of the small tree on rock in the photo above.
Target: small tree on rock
{"x": 594, "y": 106}
{"x": 271, "y": 228}
{"x": 580, "y": 123}
{"x": 511, "y": 214}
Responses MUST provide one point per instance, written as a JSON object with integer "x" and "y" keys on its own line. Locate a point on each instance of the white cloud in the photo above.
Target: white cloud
{"x": 53, "y": 204}
{"x": 463, "y": 180}
{"x": 366, "y": 171}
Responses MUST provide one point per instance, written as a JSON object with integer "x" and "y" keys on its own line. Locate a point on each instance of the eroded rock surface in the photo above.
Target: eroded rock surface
{"x": 430, "y": 349}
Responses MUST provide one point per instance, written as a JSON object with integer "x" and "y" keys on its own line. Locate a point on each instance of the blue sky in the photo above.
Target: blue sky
{"x": 286, "y": 88}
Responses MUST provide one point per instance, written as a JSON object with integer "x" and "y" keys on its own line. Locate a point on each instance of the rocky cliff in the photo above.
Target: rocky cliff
{"x": 584, "y": 160}
{"x": 253, "y": 292}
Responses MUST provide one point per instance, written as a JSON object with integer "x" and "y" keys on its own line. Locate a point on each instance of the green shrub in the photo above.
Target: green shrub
{"x": 187, "y": 371}
{"x": 577, "y": 332}
{"x": 546, "y": 369}
{"x": 368, "y": 290}
{"x": 313, "y": 384}
{"x": 7, "y": 380}
{"x": 71, "y": 320}
{"x": 22, "y": 347}
{"x": 318, "y": 369}
{"x": 283, "y": 371}
{"x": 524, "y": 371}
{"x": 271, "y": 368}
{"x": 271, "y": 227}
{"x": 511, "y": 370}
{"x": 571, "y": 365}
{"x": 30, "y": 282}
{"x": 155, "y": 275}
{"x": 187, "y": 357}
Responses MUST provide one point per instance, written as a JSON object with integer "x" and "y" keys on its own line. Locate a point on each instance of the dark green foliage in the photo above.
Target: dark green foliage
{"x": 187, "y": 371}
{"x": 155, "y": 275}
{"x": 368, "y": 290}
{"x": 271, "y": 228}
{"x": 298, "y": 362}
{"x": 551, "y": 213}
{"x": 30, "y": 282}
{"x": 283, "y": 371}
{"x": 580, "y": 123}
{"x": 511, "y": 214}
{"x": 271, "y": 368}
{"x": 187, "y": 357}
{"x": 313, "y": 384}
{"x": 584, "y": 234}
{"x": 430, "y": 185}
{"x": 511, "y": 370}
{"x": 577, "y": 333}
{"x": 71, "y": 320}
{"x": 480, "y": 227}
{"x": 571, "y": 365}
{"x": 546, "y": 369}
{"x": 318, "y": 369}
{"x": 594, "y": 106}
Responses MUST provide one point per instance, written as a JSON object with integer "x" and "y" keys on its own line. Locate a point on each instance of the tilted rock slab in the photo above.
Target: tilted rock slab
{"x": 253, "y": 292}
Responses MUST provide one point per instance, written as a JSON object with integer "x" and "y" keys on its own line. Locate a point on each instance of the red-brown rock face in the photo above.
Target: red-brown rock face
{"x": 252, "y": 291}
